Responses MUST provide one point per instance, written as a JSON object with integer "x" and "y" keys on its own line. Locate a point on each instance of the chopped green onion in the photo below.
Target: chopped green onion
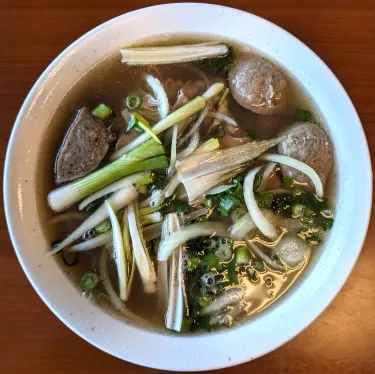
{"x": 173, "y": 118}
{"x": 222, "y": 64}
{"x": 224, "y": 252}
{"x": 326, "y": 223}
{"x": 310, "y": 235}
{"x": 143, "y": 188}
{"x": 238, "y": 180}
{"x": 227, "y": 204}
{"x": 137, "y": 121}
{"x": 149, "y": 210}
{"x": 134, "y": 102}
{"x": 257, "y": 182}
{"x": 208, "y": 146}
{"x": 192, "y": 263}
{"x": 183, "y": 208}
{"x": 309, "y": 212}
{"x": 208, "y": 203}
{"x": 103, "y": 227}
{"x": 303, "y": 115}
{"x": 242, "y": 256}
{"x": 186, "y": 324}
{"x": 306, "y": 220}
{"x": 209, "y": 244}
{"x": 211, "y": 260}
{"x": 253, "y": 134}
{"x": 232, "y": 274}
{"x": 297, "y": 192}
{"x": 237, "y": 214}
{"x": 102, "y": 111}
{"x": 265, "y": 200}
{"x": 223, "y": 97}
{"x": 287, "y": 182}
{"x": 89, "y": 281}
{"x": 298, "y": 210}
{"x": 204, "y": 301}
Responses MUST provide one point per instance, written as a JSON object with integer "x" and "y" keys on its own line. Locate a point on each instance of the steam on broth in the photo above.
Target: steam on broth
{"x": 187, "y": 185}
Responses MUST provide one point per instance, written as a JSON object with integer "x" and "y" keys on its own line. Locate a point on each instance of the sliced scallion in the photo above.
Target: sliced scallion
{"x": 102, "y": 111}
{"x": 134, "y": 102}
{"x": 223, "y": 97}
{"x": 303, "y": 115}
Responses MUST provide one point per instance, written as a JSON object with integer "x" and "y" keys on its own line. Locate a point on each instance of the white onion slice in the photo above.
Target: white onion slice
{"x": 299, "y": 165}
{"x": 219, "y": 189}
{"x": 175, "y": 309}
{"x": 263, "y": 224}
{"x": 185, "y": 233}
{"x": 239, "y": 230}
{"x": 97, "y": 241}
{"x": 223, "y": 117}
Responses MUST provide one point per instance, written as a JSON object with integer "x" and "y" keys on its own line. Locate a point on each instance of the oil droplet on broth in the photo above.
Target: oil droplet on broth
{"x": 268, "y": 287}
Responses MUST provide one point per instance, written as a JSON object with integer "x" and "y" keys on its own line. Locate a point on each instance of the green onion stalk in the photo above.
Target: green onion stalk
{"x": 181, "y": 114}
{"x": 149, "y": 155}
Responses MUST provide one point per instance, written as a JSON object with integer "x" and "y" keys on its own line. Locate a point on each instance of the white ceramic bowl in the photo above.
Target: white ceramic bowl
{"x": 302, "y": 304}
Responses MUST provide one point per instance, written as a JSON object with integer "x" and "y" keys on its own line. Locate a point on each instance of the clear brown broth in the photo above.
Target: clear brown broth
{"x": 110, "y": 82}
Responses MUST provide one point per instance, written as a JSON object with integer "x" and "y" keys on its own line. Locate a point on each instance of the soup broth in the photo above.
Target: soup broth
{"x": 207, "y": 280}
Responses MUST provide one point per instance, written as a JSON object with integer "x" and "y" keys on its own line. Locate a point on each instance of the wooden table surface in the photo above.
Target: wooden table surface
{"x": 32, "y": 33}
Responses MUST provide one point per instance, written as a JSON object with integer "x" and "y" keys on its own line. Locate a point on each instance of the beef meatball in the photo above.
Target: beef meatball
{"x": 258, "y": 85}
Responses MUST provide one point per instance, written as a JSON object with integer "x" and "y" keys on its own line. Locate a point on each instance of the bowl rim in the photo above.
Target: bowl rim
{"x": 329, "y": 296}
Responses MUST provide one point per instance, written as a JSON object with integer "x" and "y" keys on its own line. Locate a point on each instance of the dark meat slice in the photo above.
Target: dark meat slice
{"x": 85, "y": 145}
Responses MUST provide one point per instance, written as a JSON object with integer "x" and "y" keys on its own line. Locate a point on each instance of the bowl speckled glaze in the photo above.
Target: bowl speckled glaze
{"x": 271, "y": 328}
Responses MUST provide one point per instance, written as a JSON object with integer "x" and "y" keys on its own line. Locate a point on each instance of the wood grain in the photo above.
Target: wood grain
{"x": 32, "y": 33}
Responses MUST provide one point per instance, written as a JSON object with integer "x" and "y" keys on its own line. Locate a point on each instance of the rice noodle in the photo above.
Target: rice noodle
{"x": 299, "y": 165}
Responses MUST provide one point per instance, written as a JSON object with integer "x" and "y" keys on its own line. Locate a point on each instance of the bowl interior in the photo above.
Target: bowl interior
{"x": 318, "y": 285}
